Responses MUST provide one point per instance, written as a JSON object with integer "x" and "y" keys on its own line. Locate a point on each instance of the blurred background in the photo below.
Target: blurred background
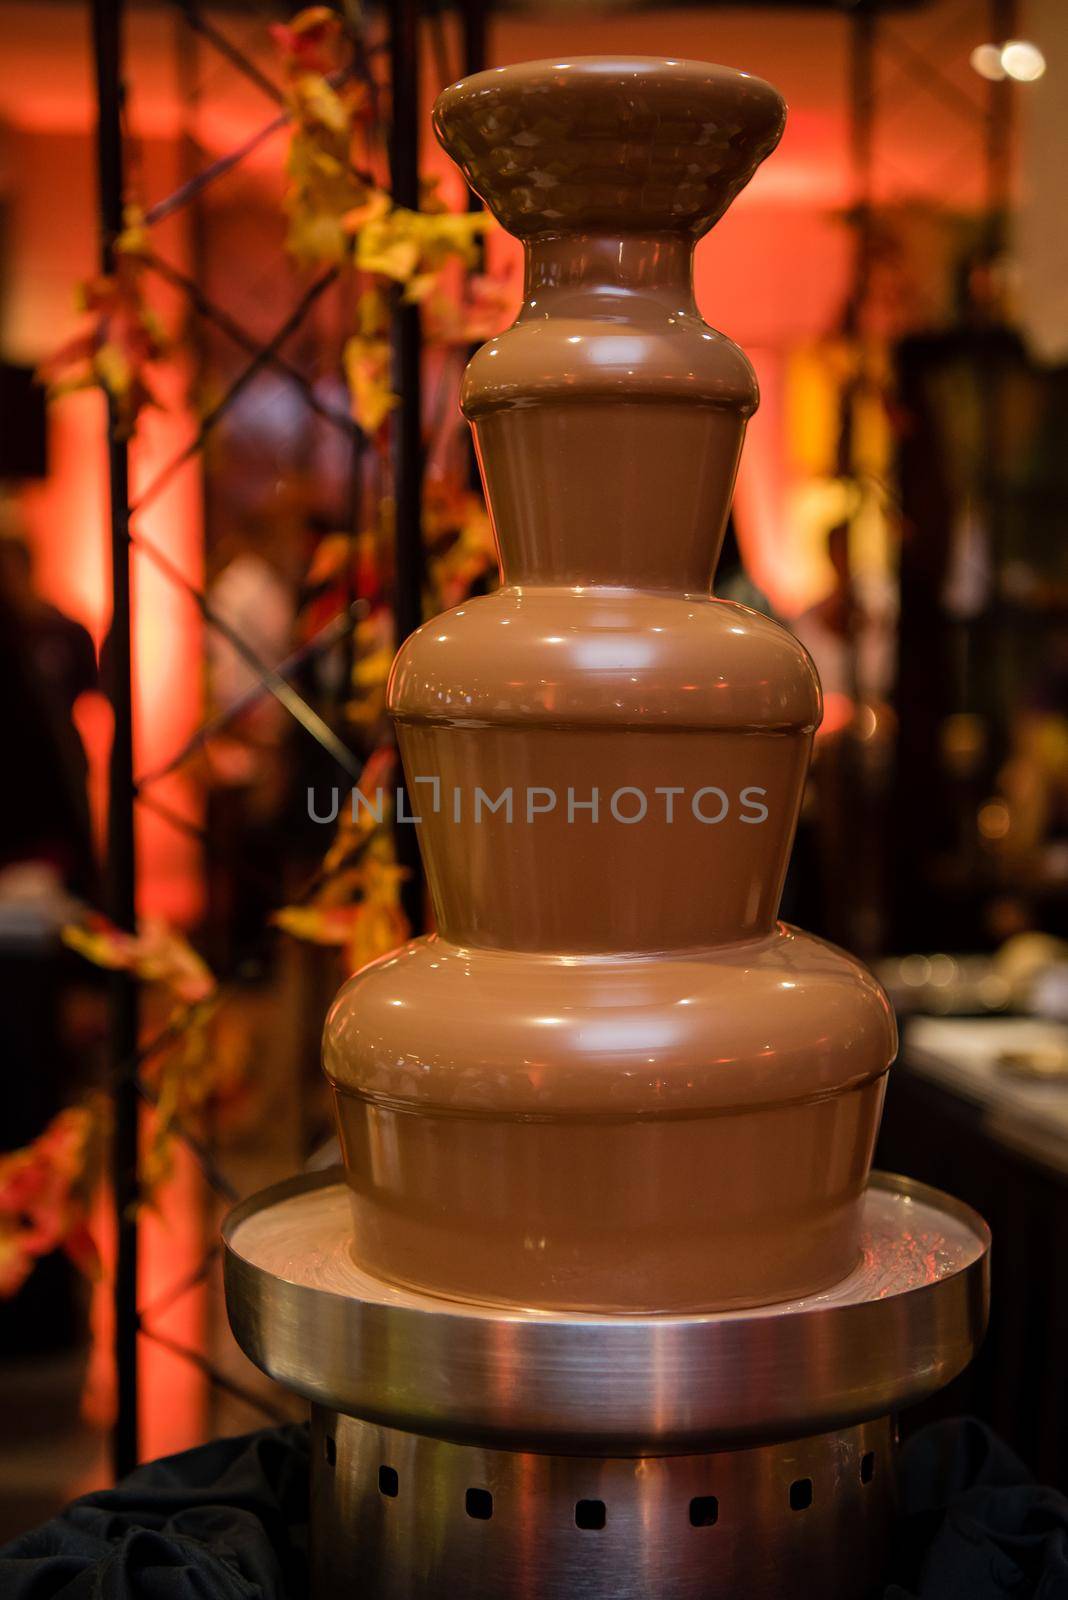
{"x": 229, "y": 361}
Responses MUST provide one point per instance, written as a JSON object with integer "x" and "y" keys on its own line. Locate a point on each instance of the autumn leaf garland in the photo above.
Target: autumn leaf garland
{"x": 356, "y": 907}
{"x": 45, "y": 1190}
{"x": 339, "y": 216}
{"x": 203, "y": 1066}
{"x": 123, "y": 339}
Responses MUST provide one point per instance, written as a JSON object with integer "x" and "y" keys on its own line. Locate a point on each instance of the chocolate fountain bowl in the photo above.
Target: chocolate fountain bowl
{"x": 458, "y": 1448}
{"x": 605, "y": 1302}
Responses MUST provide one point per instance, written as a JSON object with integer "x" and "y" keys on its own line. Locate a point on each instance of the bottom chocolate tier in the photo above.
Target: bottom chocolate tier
{"x": 676, "y": 1133}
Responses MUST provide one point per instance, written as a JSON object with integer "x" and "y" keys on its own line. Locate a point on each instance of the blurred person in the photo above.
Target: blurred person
{"x": 256, "y": 601}
{"x": 46, "y": 857}
{"x": 1024, "y": 824}
{"x": 253, "y": 596}
{"x": 47, "y": 661}
{"x": 732, "y": 579}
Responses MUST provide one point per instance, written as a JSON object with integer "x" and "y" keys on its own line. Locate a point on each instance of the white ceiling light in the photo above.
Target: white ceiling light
{"x": 986, "y": 59}
{"x": 1016, "y": 58}
{"x": 1022, "y": 60}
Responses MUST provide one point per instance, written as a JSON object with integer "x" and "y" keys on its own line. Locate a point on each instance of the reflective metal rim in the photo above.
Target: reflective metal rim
{"x": 642, "y": 1385}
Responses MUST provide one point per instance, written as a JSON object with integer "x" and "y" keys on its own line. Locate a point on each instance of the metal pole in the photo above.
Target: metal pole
{"x": 474, "y": 41}
{"x": 475, "y": 31}
{"x": 980, "y": 637}
{"x": 407, "y": 438}
{"x": 121, "y": 869}
{"x": 862, "y": 145}
{"x": 846, "y": 795}
{"x": 999, "y": 134}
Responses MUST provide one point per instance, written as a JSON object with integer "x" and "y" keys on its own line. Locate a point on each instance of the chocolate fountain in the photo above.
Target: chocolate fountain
{"x": 606, "y": 1302}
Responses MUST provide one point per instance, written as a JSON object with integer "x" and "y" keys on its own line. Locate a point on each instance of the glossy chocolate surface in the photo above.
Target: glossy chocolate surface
{"x": 620, "y": 142}
{"x": 610, "y": 1081}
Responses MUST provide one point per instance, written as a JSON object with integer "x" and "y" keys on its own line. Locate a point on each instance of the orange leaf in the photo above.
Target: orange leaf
{"x": 332, "y": 555}
{"x": 80, "y": 1246}
{"x": 372, "y": 314}
{"x": 43, "y": 1190}
{"x": 309, "y": 41}
{"x": 16, "y": 1261}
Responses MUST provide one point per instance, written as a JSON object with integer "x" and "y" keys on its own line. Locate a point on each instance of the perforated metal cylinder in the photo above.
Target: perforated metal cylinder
{"x": 401, "y": 1516}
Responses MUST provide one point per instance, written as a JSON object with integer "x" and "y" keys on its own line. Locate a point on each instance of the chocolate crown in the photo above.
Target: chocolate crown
{"x": 628, "y": 142}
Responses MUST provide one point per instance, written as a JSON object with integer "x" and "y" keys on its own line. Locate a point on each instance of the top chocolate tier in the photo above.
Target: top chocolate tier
{"x": 627, "y": 142}
{"x": 609, "y": 418}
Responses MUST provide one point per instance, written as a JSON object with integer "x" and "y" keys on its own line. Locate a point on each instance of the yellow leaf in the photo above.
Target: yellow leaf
{"x": 318, "y": 102}
{"x": 164, "y": 956}
{"x": 372, "y": 314}
{"x": 156, "y": 953}
{"x": 388, "y": 248}
{"x": 113, "y": 369}
{"x": 367, "y": 713}
{"x": 419, "y": 287}
{"x": 313, "y": 19}
{"x": 316, "y": 237}
{"x": 331, "y": 925}
{"x": 100, "y": 943}
{"x": 134, "y": 238}
{"x": 377, "y": 930}
{"x": 372, "y": 670}
{"x": 367, "y": 371}
{"x": 372, "y": 209}
{"x": 358, "y": 823}
{"x": 453, "y": 233}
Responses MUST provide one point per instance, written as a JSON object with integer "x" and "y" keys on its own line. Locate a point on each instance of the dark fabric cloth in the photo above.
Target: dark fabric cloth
{"x": 229, "y": 1522}
{"x": 973, "y": 1524}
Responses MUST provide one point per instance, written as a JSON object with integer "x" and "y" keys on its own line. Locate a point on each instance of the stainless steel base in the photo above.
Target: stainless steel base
{"x": 464, "y": 1450}
{"x": 399, "y": 1516}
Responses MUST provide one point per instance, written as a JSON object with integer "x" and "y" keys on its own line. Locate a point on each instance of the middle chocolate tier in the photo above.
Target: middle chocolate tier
{"x": 678, "y": 1132}
{"x": 604, "y": 769}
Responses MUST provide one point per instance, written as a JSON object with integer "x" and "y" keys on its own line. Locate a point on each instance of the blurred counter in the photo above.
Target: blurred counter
{"x": 959, "y": 1115}
{"x": 991, "y": 1063}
